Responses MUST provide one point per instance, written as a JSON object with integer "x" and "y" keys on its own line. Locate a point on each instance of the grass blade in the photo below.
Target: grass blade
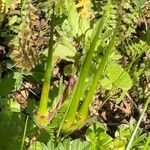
{"x": 138, "y": 123}
{"x": 24, "y": 133}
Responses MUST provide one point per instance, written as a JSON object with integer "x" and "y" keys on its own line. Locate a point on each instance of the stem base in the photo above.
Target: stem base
{"x": 42, "y": 120}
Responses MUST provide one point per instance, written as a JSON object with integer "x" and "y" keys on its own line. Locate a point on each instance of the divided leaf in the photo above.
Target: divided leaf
{"x": 97, "y": 136}
{"x": 64, "y": 145}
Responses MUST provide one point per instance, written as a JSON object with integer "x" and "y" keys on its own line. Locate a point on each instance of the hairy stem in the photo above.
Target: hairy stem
{"x": 84, "y": 107}
{"x": 83, "y": 111}
{"x": 75, "y": 99}
{"x": 42, "y": 117}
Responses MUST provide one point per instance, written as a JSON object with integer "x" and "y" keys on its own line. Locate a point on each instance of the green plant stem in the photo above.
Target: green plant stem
{"x": 138, "y": 123}
{"x": 75, "y": 99}
{"x": 24, "y": 133}
{"x": 83, "y": 112}
{"x": 46, "y": 84}
{"x": 42, "y": 112}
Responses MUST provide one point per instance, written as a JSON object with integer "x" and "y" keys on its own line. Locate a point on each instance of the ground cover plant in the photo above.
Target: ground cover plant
{"x": 74, "y": 74}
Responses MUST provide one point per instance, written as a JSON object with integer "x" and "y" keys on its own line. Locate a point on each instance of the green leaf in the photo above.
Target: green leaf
{"x": 12, "y": 20}
{"x": 64, "y": 145}
{"x": 118, "y": 144}
{"x": 73, "y": 145}
{"x": 31, "y": 107}
{"x": 63, "y": 52}
{"x": 139, "y": 3}
{"x": 106, "y": 83}
{"x": 123, "y": 131}
{"x": 11, "y": 127}
{"x": 118, "y": 76}
{"x": 38, "y": 146}
{"x": 78, "y": 24}
{"x": 18, "y": 77}
{"x": 14, "y": 106}
{"x": 70, "y": 70}
{"x": 84, "y": 25}
{"x": 51, "y": 145}
{"x": 7, "y": 84}
{"x": 73, "y": 16}
{"x": 97, "y": 136}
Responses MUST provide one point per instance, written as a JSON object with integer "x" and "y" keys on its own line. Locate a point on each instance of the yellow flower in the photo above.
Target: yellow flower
{"x": 85, "y": 13}
{"x": 83, "y": 3}
{"x": 85, "y": 8}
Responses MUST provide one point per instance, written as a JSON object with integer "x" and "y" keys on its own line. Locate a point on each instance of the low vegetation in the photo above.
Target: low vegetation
{"x": 74, "y": 74}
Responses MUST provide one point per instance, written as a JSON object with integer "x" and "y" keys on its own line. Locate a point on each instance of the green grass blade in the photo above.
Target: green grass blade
{"x": 138, "y": 123}
{"x": 24, "y": 133}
